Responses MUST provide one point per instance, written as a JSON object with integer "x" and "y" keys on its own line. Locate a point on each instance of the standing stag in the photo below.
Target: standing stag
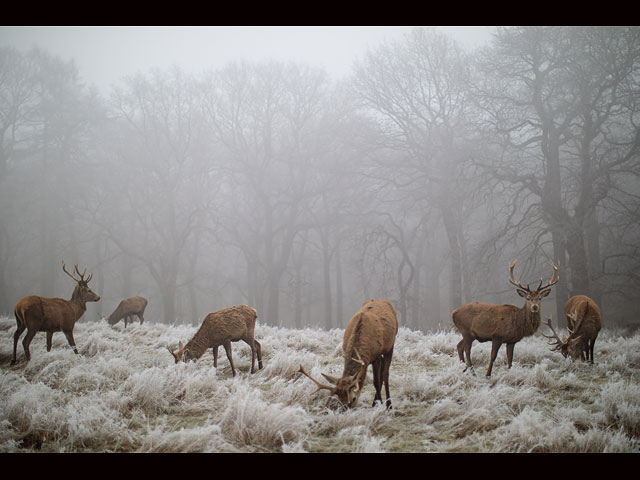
{"x": 40, "y": 314}
{"x": 584, "y": 321}
{"x": 368, "y": 339}
{"x": 500, "y": 323}
{"x": 126, "y": 309}
{"x": 221, "y": 328}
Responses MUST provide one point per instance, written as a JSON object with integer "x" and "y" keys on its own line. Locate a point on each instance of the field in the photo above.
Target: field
{"x": 124, "y": 393}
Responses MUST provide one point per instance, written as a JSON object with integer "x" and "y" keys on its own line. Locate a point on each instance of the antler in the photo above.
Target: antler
{"x": 320, "y": 385}
{"x": 558, "y": 342}
{"x": 65, "y": 271}
{"x": 513, "y": 280}
{"x": 172, "y": 353}
{"x": 361, "y": 362}
{"x": 81, "y": 279}
{"x": 576, "y": 324}
{"x": 554, "y": 277}
{"x": 553, "y": 281}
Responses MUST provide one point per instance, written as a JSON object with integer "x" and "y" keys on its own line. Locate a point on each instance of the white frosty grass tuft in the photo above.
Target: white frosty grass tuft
{"x": 199, "y": 439}
{"x": 125, "y": 393}
{"x": 250, "y": 420}
{"x": 620, "y": 402}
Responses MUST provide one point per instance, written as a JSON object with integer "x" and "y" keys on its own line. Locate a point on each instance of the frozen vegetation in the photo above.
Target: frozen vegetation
{"x": 124, "y": 393}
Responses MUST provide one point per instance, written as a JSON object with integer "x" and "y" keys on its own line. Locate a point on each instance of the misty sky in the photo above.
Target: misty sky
{"x": 106, "y": 54}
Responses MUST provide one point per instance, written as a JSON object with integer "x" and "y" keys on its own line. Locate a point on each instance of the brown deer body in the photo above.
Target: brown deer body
{"x": 221, "y": 328}
{"x": 584, "y": 321}
{"x": 368, "y": 339}
{"x": 500, "y": 323}
{"x": 50, "y": 315}
{"x": 127, "y": 309}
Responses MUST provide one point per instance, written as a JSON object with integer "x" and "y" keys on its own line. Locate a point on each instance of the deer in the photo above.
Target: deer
{"x": 369, "y": 338}
{"x": 501, "y": 323}
{"x": 584, "y": 321}
{"x": 127, "y": 309}
{"x": 50, "y": 315}
{"x": 221, "y": 328}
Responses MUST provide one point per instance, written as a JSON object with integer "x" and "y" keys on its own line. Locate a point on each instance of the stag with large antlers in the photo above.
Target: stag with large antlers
{"x": 584, "y": 321}
{"x": 368, "y": 340}
{"x": 501, "y": 323}
{"x": 221, "y": 328}
{"x": 50, "y": 315}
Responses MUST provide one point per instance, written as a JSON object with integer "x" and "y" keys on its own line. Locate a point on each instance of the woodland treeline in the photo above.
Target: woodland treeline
{"x": 417, "y": 179}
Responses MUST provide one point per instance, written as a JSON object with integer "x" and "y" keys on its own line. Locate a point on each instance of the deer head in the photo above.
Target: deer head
{"x": 182, "y": 354}
{"x": 533, "y": 297}
{"x": 347, "y": 388}
{"x": 567, "y": 346}
{"x": 82, "y": 290}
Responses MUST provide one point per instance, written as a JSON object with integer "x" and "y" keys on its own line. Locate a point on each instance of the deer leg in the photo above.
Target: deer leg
{"x": 461, "y": 349}
{"x": 253, "y": 353}
{"x": 591, "y": 345}
{"x": 26, "y": 342}
{"x": 495, "y": 346}
{"x": 258, "y": 353}
{"x": 16, "y": 336}
{"x": 385, "y": 376}
{"x": 227, "y": 348}
{"x": 467, "y": 350}
{"x": 376, "y": 366}
{"x": 49, "y": 340}
{"x": 215, "y": 356}
{"x": 141, "y": 318}
{"x": 69, "y": 335}
{"x": 510, "y": 353}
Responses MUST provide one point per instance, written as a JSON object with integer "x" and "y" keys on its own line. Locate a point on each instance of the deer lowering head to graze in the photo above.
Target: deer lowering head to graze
{"x": 500, "y": 323}
{"x": 368, "y": 339}
{"x": 40, "y": 314}
{"x": 221, "y": 328}
{"x": 584, "y": 321}
{"x": 127, "y": 309}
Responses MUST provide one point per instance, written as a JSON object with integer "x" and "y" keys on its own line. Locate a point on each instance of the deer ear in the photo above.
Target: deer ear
{"x": 522, "y": 293}
{"x": 545, "y": 293}
{"x": 180, "y": 345}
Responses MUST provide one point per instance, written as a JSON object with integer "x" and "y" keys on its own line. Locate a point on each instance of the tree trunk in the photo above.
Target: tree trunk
{"x": 340, "y": 320}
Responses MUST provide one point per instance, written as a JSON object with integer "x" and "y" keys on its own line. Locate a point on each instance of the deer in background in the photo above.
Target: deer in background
{"x": 50, "y": 315}
{"x": 584, "y": 321}
{"x": 127, "y": 309}
{"x": 368, "y": 340}
{"x": 501, "y": 323}
{"x": 221, "y": 328}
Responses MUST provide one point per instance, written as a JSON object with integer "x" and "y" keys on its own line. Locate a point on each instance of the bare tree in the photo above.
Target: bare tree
{"x": 559, "y": 100}
{"x": 418, "y": 90}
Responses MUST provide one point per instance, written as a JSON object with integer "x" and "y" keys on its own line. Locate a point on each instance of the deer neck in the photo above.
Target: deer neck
{"x": 530, "y": 321}
{"x": 78, "y": 303}
{"x": 197, "y": 345}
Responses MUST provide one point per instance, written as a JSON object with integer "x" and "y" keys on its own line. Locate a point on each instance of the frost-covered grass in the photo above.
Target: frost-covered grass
{"x": 124, "y": 393}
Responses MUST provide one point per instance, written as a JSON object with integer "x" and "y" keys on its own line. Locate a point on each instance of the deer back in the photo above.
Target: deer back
{"x": 48, "y": 314}
{"x": 484, "y": 320}
{"x": 371, "y": 331}
{"x": 128, "y": 306}
{"x": 588, "y": 318}
{"x": 229, "y": 324}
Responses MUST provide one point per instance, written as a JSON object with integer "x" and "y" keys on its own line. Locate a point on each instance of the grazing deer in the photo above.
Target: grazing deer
{"x": 126, "y": 309}
{"x": 40, "y": 314}
{"x": 584, "y": 321}
{"x": 368, "y": 339}
{"x": 221, "y": 328}
{"x": 500, "y": 323}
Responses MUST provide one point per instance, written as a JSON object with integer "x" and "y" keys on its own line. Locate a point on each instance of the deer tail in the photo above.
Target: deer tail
{"x": 19, "y": 317}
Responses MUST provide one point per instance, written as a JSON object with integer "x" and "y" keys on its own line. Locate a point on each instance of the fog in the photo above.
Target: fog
{"x": 304, "y": 170}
